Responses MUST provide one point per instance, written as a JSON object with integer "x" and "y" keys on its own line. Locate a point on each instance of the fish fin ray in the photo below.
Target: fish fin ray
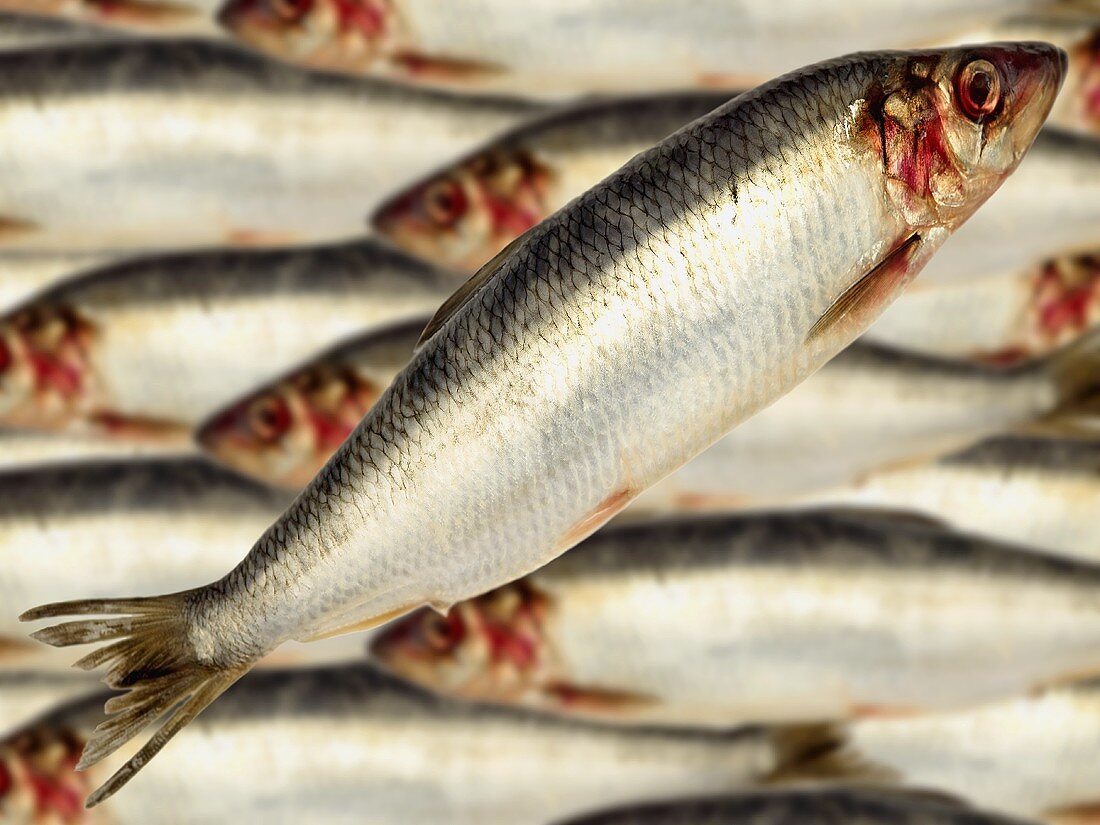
{"x": 151, "y": 656}
{"x": 872, "y": 290}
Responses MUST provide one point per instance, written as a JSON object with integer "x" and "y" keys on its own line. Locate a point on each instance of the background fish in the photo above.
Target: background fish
{"x": 285, "y": 431}
{"x": 351, "y": 746}
{"x": 146, "y": 349}
{"x": 664, "y": 306}
{"x": 464, "y": 214}
{"x": 27, "y": 694}
{"x": 168, "y": 145}
{"x": 149, "y": 17}
{"x": 800, "y": 617}
{"x": 593, "y": 45}
{"x": 18, "y": 32}
{"x": 23, "y": 275}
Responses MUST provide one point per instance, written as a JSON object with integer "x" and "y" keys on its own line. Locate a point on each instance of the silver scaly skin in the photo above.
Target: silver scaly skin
{"x": 811, "y": 806}
{"x": 464, "y": 214}
{"x": 731, "y": 620}
{"x": 183, "y": 144}
{"x": 869, "y": 408}
{"x": 144, "y": 350}
{"x": 626, "y": 333}
{"x": 351, "y": 747}
{"x": 587, "y": 46}
{"x": 1042, "y": 492}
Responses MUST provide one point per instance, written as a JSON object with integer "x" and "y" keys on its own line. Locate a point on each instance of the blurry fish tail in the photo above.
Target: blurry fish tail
{"x": 814, "y": 753}
{"x": 1075, "y": 371}
{"x": 152, "y": 657}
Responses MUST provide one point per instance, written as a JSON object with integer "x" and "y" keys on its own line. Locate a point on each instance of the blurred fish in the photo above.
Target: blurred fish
{"x": 818, "y": 806}
{"x": 1000, "y": 319}
{"x": 21, "y": 449}
{"x": 168, "y": 145}
{"x": 463, "y": 215}
{"x": 146, "y": 349}
{"x": 799, "y": 617}
{"x": 1049, "y": 208}
{"x": 284, "y": 432}
{"x": 351, "y": 746}
{"x": 18, "y": 32}
{"x": 1032, "y": 756}
{"x": 23, "y": 275}
{"x": 27, "y": 694}
{"x": 872, "y": 407}
{"x": 581, "y": 46}
{"x": 168, "y": 17}
{"x": 618, "y": 339}
{"x": 1042, "y": 492}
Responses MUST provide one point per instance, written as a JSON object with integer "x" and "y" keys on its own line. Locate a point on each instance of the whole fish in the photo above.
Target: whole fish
{"x": 27, "y": 694}
{"x": 999, "y": 319}
{"x": 172, "y": 145}
{"x": 1033, "y": 756}
{"x": 1050, "y": 208}
{"x": 148, "y": 17}
{"x": 1043, "y": 492}
{"x": 147, "y": 348}
{"x": 582, "y": 46}
{"x": 619, "y": 338}
{"x": 817, "y": 806}
{"x": 351, "y": 746}
{"x": 782, "y": 618}
{"x": 23, "y": 275}
{"x": 872, "y": 407}
{"x": 464, "y": 214}
{"x": 285, "y": 431}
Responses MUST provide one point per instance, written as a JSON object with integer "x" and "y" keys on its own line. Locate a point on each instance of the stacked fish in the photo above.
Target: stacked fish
{"x": 328, "y": 317}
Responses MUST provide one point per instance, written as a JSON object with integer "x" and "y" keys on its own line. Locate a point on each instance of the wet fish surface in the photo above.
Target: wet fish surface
{"x": 463, "y": 215}
{"x": 185, "y": 144}
{"x": 829, "y": 806}
{"x": 870, "y": 408}
{"x": 617, "y": 340}
{"x": 283, "y": 432}
{"x": 785, "y": 618}
{"x": 351, "y": 746}
{"x": 586, "y": 46}
{"x": 147, "y": 348}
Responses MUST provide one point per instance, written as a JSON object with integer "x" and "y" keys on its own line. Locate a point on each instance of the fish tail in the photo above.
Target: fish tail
{"x": 150, "y": 654}
{"x": 812, "y": 753}
{"x": 1075, "y": 370}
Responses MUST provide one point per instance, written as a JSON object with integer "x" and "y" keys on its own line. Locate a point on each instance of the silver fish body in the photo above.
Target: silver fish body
{"x": 733, "y": 620}
{"x": 627, "y": 332}
{"x": 24, "y": 275}
{"x": 18, "y": 32}
{"x": 464, "y": 214}
{"x": 868, "y": 408}
{"x": 23, "y": 449}
{"x": 351, "y": 746}
{"x": 150, "y": 347}
{"x": 1042, "y": 492}
{"x": 172, "y": 145}
{"x": 115, "y": 18}
{"x": 828, "y": 806}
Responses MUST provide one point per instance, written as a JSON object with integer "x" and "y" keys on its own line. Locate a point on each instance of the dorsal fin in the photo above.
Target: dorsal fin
{"x": 467, "y": 291}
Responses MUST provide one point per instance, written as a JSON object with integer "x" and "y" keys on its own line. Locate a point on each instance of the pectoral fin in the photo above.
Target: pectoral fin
{"x": 866, "y": 297}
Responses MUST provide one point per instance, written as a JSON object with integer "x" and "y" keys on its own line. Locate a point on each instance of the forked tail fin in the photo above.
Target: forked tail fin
{"x": 1075, "y": 370}
{"x": 151, "y": 657}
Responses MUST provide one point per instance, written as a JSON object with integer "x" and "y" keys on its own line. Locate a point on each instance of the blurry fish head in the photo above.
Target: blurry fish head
{"x": 957, "y": 122}
{"x": 285, "y": 433}
{"x": 340, "y": 35}
{"x": 38, "y": 780}
{"x": 462, "y": 216}
{"x": 491, "y": 648}
{"x": 46, "y": 377}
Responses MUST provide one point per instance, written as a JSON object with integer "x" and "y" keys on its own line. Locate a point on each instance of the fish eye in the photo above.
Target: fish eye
{"x": 445, "y": 202}
{"x": 269, "y": 417}
{"x": 443, "y": 633}
{"x": 978, "y": 89}
{"x": 292, "y": 9}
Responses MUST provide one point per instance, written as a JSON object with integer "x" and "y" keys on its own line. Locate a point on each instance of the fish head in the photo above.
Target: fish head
{"x": 38, "y": 778}
{"x": 339, "y": 35}
{"x": 954, "y": 123}
{"x": 45, "y": 366}
{"x": 464, "y": 215}
{"x": 491, "y": 648}
{"x": 284, "y": 433}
